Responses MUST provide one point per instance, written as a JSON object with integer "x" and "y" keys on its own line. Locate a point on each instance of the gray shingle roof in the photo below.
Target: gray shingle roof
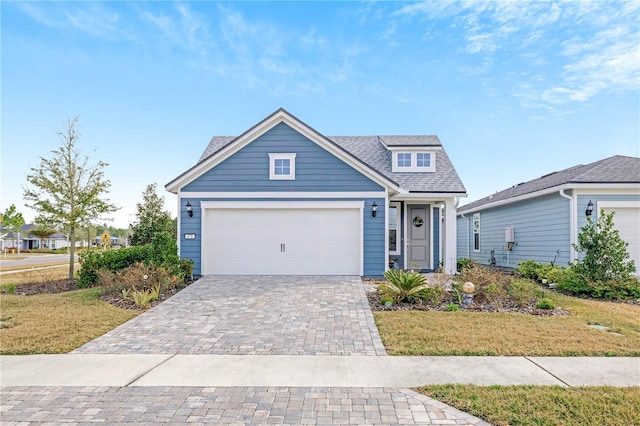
{"x": 371, "y": 151}
{"x": 617, "y": 169}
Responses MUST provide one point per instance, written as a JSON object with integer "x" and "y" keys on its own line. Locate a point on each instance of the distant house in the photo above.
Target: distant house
{"x": 26, "y": 241}
{"x": 540, "y": 219}
{"x": 282, "y": 198}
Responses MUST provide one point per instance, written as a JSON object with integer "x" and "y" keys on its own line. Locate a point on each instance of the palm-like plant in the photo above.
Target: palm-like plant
{"x": 42, "y": 232}
{"x": 404, "y": 286}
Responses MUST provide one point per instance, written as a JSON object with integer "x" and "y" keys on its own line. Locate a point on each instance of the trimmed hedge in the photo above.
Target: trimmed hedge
{"x": 110, "y": 260}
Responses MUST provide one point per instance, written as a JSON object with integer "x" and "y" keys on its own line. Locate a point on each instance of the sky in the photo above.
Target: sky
{"x": 514, "y": 90}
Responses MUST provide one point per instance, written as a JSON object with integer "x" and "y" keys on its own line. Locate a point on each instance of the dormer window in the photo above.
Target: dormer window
{"x": 423, "y": 159}
{"x": 404, "y": 159}
{"x": 413, "y": 161}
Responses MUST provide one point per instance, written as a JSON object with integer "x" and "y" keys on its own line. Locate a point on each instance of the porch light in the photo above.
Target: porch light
{"x": 374, "y": 209}
{"x": 189, "y": 209}
{"x": 589, "y": 209}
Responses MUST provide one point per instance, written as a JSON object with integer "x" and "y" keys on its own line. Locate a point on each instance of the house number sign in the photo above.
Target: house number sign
{"x": 189, "y": 236}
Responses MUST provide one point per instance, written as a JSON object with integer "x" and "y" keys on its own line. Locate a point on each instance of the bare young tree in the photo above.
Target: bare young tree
{"x": 66, "y": 190}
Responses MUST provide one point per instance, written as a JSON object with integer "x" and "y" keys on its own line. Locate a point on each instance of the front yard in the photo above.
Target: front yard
{"x": 515, "y": 334}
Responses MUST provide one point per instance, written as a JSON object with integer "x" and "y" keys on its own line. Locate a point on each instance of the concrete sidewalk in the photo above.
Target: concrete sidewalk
{"x": 136, "y": 370}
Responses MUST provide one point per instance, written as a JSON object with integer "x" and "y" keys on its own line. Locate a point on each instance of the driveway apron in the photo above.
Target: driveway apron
{"x": 253, "y": 315}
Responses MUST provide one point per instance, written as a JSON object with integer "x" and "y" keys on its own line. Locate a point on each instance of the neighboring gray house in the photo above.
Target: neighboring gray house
{"x": 540, "y": 219}
{"x": 282, "y": 198}
{"x": 26, "y": 241}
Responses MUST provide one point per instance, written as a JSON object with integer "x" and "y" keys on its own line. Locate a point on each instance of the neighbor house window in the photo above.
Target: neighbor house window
{"x": 476, "y": 232}
{"x": 282, "y": 166}
{"x": 423, "y": 159}
{"x": 394, "y": 231}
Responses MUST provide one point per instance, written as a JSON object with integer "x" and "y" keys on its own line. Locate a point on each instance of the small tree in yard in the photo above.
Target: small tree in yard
{"x": 151, "y": 218}
{"x": 12, "y": 221}
{"x": 66, "y": 190}
{"x": 605, "y": 253}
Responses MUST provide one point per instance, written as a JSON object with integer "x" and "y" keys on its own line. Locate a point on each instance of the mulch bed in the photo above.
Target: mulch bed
{"x": 507, "y": 306}
{"x": 48, "y": 287}
{"x": 61, "y": 286}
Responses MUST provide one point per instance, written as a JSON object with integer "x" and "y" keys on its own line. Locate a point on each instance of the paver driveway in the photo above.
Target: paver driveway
{"x": 253, "y": 315}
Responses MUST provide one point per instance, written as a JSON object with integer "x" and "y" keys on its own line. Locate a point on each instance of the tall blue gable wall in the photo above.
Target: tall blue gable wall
{"x": 316, "y": 171}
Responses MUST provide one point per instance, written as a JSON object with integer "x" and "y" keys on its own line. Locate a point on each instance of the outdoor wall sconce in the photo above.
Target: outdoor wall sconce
{"x": 589, "y": 209}
{"x": 189, "y": 209}
{"x": 374, "y": 209}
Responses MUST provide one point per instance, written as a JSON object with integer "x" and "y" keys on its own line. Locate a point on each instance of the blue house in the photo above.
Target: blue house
{"x": 542, "y": 218}
{"x": 282, "y": 198}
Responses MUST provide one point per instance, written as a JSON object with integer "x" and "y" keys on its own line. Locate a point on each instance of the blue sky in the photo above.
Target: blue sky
{"x": 514, "y": 90}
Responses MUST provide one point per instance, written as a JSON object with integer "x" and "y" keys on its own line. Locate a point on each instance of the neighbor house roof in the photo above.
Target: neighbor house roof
{"x": 25, "y": 235}
{"x": 618, "y": 169}
{"x": 371, "y": 151}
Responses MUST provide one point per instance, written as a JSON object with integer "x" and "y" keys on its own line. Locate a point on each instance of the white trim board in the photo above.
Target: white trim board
{"x": 282, "y": 194}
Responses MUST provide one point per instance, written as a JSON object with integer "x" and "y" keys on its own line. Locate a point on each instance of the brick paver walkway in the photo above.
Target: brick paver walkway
{"x": 251, "y": 315}
{"x": 239, "y": 316}
{"x": 229, "y": 406}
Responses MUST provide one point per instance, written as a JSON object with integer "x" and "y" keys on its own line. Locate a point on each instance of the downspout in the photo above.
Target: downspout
{"x": 573, "y": 220}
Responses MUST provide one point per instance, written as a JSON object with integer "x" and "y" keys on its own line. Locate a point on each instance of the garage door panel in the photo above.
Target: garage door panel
{"x": 626, "y": 220}
{"x": 282, "y": 241}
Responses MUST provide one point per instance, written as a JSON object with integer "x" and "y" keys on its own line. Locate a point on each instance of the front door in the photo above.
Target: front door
{"x": 418, "y": 241}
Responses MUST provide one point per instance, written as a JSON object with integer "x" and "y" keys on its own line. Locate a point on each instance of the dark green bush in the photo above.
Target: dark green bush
{"x": 463, "y": 263}
{"x": 620, "y": 289}
{"x": 164, "y": 251}
{"x": 545, "y": 303}
{"x": 186, "y": 268}
{"x": 109, "y": 260}
{"x": 540, "y": 271}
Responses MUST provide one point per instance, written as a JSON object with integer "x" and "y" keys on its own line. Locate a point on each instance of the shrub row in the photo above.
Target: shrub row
{"x": 162, "y": 252}
{"x": 572, "y": 280}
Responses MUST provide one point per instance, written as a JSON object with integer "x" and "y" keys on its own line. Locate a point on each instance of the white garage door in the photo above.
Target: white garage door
{"x": 283, "y": 240}
{"x": 627, "y": 221}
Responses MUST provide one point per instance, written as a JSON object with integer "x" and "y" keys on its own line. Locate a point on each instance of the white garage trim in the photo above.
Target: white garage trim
{"x": 209, "y": 208}
{"x": 619, "y": 204}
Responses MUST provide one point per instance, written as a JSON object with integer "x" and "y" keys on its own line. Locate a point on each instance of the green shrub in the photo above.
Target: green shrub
{"x": 620, "y": 289}
{"x": 9, "y": 288}
{"x": 164, "y": 251}
{"x": 108, "y": 260}
{"x": 464, "y": 263}
{"x": 186, "y": 268}
{"x": 540, "y": 271}
{"x": 605, "y": 254}
{"x": 387, "y": 301}
{"x": 452, "y": 307}
{"x": 545, "y": 303}
{"x": 433, "y": 295}
{"x": 490, "y": 283}
{"x": 140, "y": 276}
{"x": 528, "y": 269}
{"x": 403, "y": 286}
{"x": 521, "y": 291}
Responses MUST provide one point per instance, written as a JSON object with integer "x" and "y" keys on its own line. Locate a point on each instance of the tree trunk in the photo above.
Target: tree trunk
{"x": 72, "y": 250}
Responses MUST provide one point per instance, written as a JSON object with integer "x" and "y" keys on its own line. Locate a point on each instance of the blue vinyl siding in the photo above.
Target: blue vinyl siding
{"x": 316, "y": 169}
{"x": 541, "y": 230}
{"x": 373, "y": 233}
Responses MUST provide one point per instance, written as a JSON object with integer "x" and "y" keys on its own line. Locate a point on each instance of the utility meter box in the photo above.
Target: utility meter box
{"x": 509, "y": 235}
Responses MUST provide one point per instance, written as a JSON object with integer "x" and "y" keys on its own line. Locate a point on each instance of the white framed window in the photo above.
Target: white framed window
{"x": 476, "y": 232}
{"x": 282, "y": 166}
{"x": 413, "y": 161}
{"x": 423, "y": 159}
{"x": 404, "y": 159}
{"x": 394, "y": 228}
